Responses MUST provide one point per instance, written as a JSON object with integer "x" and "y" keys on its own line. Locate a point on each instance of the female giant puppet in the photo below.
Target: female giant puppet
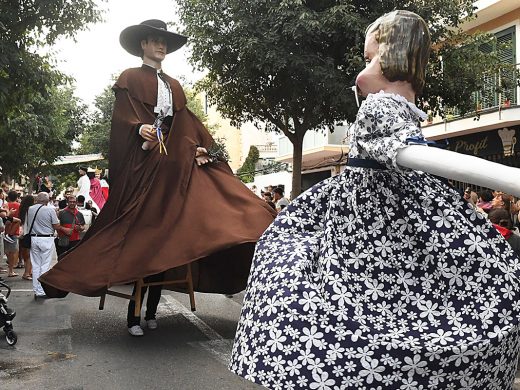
{"x": 164, "y": 210}
{"x": 384, "y": 277}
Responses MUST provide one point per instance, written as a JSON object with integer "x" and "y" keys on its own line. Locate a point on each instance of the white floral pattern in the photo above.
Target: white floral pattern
{"x": 380, "y": 279}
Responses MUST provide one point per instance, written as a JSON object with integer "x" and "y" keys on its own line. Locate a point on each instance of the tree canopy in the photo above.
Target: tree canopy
{"x": 42, "y": 131}
{"x": 39, "y": 117}
{"x": 247, "y": 171}
{"x": 25, "y": 27}
{"x": 291, "y": 63}
{"x": 96, "y": 137}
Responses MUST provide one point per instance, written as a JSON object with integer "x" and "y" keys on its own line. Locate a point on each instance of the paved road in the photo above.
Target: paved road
{"x": 70, "y": 344}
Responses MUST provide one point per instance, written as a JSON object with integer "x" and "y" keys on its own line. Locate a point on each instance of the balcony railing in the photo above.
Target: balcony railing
{"x": 500, "y": 91}
{"x": 267, "y": 148}
{"x": 503, "y": 81}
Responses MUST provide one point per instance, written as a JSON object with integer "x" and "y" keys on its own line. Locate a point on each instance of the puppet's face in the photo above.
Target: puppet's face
{"x": 371, "y": 79}
{"x": 154, "y": 48}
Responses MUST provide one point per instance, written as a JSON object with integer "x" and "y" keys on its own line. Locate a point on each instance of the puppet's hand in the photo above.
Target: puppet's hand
{"x": 201, "y": 156}
{"x": 148, "y": 133}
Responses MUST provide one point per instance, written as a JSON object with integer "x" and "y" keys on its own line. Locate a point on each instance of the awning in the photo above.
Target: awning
{"x": 78, "y": 159}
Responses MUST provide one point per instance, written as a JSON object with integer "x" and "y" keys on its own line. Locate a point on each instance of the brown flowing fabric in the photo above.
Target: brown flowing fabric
{"x": 164, "y": 211}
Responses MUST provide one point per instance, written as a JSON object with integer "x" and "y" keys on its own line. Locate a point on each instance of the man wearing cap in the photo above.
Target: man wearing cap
{"x": 170, "y": 203}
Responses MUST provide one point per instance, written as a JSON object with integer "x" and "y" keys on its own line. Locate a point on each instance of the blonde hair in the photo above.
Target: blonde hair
{"x": 404, "y": 47}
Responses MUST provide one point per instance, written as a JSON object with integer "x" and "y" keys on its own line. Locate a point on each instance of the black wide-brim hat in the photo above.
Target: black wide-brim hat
{"x": 132, "y": 36}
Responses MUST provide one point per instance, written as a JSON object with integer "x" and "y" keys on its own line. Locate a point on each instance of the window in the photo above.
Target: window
{"x": 504, "y": 44}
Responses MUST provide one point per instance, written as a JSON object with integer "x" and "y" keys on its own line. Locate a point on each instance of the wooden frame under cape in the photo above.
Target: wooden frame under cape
{"x": 187, "y": 281}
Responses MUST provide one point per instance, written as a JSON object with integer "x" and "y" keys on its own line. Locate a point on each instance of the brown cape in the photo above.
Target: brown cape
{"x": 164, "y": 210}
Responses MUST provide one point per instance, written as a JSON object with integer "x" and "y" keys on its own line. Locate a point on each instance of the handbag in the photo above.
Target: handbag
{"x": 25, "y": 241}
{"x": 64, "y": 241}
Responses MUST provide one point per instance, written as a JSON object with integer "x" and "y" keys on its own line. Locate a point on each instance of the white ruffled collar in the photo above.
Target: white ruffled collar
{"x": 420, "y": 113}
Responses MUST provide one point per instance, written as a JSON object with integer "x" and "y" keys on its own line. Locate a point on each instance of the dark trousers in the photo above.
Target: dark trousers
{"x": 60, "y": 250}
{"x": 154, "y": 296}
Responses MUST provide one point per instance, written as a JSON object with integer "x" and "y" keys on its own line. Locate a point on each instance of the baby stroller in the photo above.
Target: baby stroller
{"x": 6, "y": 316}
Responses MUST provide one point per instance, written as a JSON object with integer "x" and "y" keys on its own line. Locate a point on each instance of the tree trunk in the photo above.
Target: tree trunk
{"x": 297, "y": 166}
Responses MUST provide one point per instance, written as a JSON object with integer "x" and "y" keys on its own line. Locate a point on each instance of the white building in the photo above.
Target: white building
{"x": 323, "y": 154}
{"x": 494, "y": 135}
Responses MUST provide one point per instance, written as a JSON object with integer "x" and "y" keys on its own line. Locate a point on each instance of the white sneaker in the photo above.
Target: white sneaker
{"x": 136, "y": 331}
{"x": 151, "y": 324}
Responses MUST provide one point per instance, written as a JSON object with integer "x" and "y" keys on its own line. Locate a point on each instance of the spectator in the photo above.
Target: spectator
{"x": 471, "y": 196}
{"x": 279, "y": 199}
{"x": 10, "y": 246}
{"x": 502, "y": 201}
{"x": 88, "y": 215}
{"x": 266, "y": 196}
{"x": 484, "y": 202}
{"x": 72, "y": 224}
{"x": 62, "y": 203}
{"x": 83, "y": 183}
{"x": 2, "y": 270}
{"x": 5, "y": 187}
{"x": 104, "y": 184}
{"x": 25, "y": 254}
{"x": 11, "y": 233}
{"x": 501, "y": 220}
{"x": 44, "y": 222}
{"x": 90, "y": 207}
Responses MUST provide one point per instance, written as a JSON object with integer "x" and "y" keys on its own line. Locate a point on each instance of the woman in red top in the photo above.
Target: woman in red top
{"x": 12, "y": 232}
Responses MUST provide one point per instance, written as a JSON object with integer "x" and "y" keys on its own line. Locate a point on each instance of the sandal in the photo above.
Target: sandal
{"x": 27, "y": 277}
{"x": 12, "y": 275}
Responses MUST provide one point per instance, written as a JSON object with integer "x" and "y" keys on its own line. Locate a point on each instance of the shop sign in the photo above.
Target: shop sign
{"x": 498, "y": 141}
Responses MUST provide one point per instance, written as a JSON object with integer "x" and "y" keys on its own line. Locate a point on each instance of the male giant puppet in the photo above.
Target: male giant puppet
{"x": 169, "y": 204}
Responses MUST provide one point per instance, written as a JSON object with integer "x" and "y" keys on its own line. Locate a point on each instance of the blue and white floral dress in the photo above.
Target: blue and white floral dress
{"x": 380, "y": 279}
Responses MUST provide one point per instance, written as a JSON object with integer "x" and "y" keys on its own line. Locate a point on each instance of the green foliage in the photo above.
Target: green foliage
{"x": 26, "y": 26}
{"x": 271, "y": 166}
{"x": 44, "y": 129}
{"x": 247, "y": 171}
{"x": 218, "y": 150}
{"x": 96, "y": 137}
{"x": 291, "y": 63}
{"x": 39, "y": 117}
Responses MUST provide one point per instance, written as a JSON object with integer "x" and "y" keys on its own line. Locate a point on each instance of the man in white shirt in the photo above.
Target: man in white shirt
{"x": 44, "y": 222}
{"x": 279, "y": 199}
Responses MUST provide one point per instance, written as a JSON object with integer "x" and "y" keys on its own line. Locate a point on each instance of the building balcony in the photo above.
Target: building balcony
{"x": 492, "y": 109}
{"x": 489, "y": 119}
{"x": 320, "y": 147}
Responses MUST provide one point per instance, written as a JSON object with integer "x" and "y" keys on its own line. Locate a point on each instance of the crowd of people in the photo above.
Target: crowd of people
{"x": 55, "y": 222}
{"x": 503, "y": 211}
{"x": 273, "y": 196}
